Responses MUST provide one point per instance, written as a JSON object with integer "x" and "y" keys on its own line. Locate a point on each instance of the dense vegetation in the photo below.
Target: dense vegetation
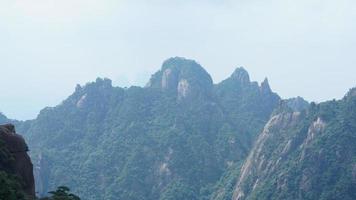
{"x": 11, "y": 188}
{"x": 181, "y": 137}
{"x": 10, "y": 185}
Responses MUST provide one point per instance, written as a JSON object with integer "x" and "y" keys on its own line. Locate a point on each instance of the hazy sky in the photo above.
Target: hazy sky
{"x": 304, "y": 47}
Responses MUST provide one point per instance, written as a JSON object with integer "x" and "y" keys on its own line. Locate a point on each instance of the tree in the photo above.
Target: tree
{"x": 62, "y": 193}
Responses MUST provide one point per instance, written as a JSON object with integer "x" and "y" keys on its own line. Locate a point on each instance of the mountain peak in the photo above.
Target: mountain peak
{"x": 297, "y": 104}
{"x": 265, "y": 88}
{"x": 176, "y": 62}
{"x": 181, "y": 75}
{"x": 100, "y": 83}
{"x": 105, "y": 82}
{"x": 241, "y": 75}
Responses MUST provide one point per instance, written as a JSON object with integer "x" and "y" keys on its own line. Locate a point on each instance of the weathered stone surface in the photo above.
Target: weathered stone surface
{"x": 22, "y": 165}
{"x": 257, "y": 164}
{"x": 241, "y": 74}
{"x": 182, "y": 77}
{"x": 183, "y": 88}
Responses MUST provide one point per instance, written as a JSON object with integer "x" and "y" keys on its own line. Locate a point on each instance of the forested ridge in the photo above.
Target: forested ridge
{"x": 184, "y": 137}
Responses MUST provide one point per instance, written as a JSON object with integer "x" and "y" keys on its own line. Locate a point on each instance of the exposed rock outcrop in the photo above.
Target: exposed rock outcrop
{"x": 41, "y": 173}
{"x": 183, "y": 78}
{"x": 21, "y": 164}
{"x": 258, "y": 163}
{"x": 241, "y": 75}
{"x": 297, "y": 103}
{"x": 303, "y": 155}
{"x": 265, "y": 88}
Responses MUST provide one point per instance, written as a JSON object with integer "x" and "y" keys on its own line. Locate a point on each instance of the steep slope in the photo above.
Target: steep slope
{"x": 304, "y": 155}
{"x": 177, "y": 138}
{"x": 247, "y": 107}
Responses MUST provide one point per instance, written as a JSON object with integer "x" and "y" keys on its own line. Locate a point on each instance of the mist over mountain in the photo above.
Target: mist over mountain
{"x": 184, "y": 137}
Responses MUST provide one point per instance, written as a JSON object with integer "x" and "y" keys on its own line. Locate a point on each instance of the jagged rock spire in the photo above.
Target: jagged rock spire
{"x": 265, "y": 88}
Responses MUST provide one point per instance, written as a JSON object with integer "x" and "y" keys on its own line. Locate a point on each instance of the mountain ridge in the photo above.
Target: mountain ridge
{"x": 185, "y": 128}
{"x": 182, "y": 137}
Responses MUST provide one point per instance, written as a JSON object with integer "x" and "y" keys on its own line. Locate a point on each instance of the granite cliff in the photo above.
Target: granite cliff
{"x": 303, "y": 155}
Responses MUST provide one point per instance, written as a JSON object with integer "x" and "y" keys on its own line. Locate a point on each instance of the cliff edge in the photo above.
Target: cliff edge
{"x": 15, "y": 160}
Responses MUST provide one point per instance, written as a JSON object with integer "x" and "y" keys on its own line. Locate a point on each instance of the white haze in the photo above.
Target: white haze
{"x": 304, "y": 47}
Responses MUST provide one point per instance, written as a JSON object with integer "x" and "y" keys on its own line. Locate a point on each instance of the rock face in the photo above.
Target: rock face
{"x": 303, "y": 155}
{"x": 21, "y": 165}
{"x": 258, "y": 162}
{"x": 41, "y": 173}
{"x": 182, "y": 77}
{"x": 241, "y": 75}
{"x": 265, "y": 88}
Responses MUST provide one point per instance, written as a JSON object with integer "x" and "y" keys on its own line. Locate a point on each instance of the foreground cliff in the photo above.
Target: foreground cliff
{"x": 16, "y": 170}
{"x": 304, "y": 155}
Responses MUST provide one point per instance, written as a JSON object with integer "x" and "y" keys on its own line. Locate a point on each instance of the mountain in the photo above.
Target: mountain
{"x": 180, "y": 137}
{"x": 183, "y": 78}
{"x": 309, "y": 154}
{"x": 184, "y": 137}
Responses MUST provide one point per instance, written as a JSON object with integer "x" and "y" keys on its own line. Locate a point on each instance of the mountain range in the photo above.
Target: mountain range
{"x": 182, "y": 137}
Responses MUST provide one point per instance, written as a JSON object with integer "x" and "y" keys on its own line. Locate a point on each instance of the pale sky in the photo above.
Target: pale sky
{"x": 305, "y": 47}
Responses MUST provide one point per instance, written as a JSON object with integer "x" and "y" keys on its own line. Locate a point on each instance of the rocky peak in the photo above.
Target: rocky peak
{"x": 93, "y": 91}
{"x": 241, "y": 75}
{"x": 257, "y": 162}
{"x": 265, "y": 88}
{"x": 14, "y": 142}
{"x": 100, "y": 83}
{"x": 103, "y": 83}
{"x": 181, "y": 76}
{"x": 297, "y": 103}
{"x": 78, "y": 87}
